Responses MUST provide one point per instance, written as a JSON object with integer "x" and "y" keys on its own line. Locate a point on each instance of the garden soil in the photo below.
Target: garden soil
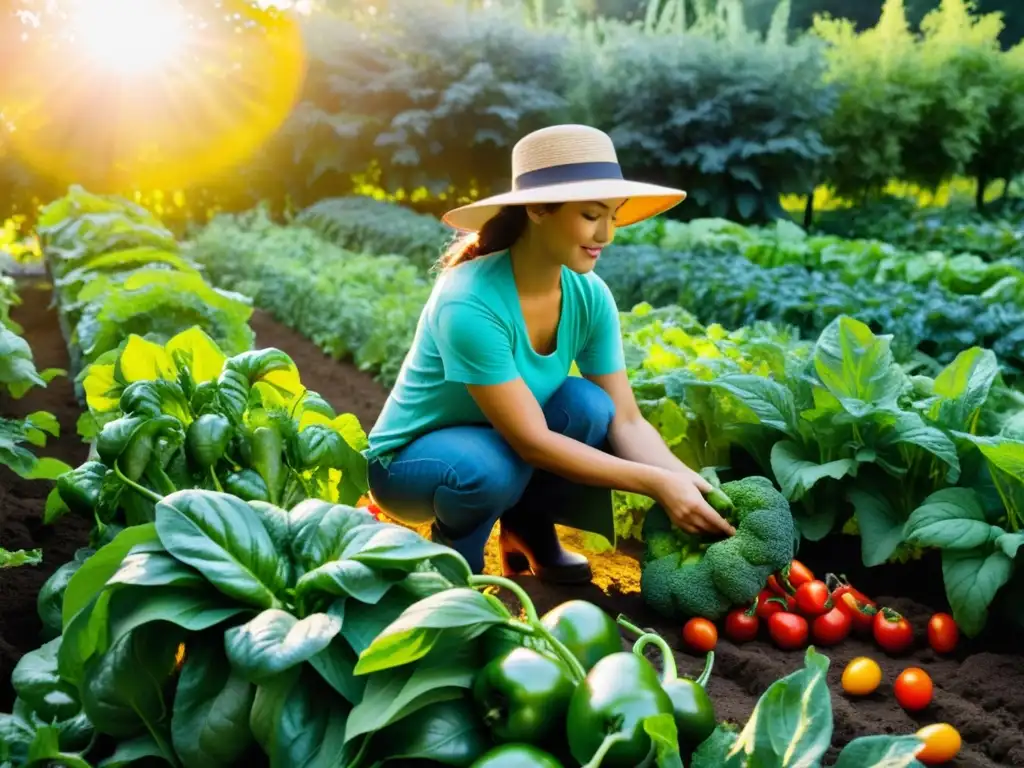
{"x": 979, "y": 688}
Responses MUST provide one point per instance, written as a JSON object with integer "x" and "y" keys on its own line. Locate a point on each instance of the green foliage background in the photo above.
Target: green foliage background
{"x": 737, "y": 101}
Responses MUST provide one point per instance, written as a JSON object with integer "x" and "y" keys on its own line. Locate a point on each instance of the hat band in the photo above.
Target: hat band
{"x": 564, "y": 174}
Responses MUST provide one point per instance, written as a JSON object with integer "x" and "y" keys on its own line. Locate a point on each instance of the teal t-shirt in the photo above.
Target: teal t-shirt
{"x": 472, "y": 331}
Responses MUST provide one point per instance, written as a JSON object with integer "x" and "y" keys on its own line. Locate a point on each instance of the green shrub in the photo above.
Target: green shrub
{"x": 734, "y": 121}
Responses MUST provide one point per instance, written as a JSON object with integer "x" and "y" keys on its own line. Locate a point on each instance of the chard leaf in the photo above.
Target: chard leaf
{"x": 881, "y": 526}
{"x": 951, "y": 518}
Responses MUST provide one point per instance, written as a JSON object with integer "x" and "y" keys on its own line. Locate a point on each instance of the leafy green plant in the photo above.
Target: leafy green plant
{"x": 185, "y": 415}
{"x": 226, "y": 626}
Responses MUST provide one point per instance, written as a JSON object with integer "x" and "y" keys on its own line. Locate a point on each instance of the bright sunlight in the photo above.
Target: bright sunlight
{"x": 130, "y": 36}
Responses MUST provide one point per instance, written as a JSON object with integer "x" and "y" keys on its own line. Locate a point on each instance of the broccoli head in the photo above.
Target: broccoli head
{"x": 687, "y": 575}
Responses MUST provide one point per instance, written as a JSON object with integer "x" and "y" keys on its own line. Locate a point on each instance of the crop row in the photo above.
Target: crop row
{"x": 234, "y": 605}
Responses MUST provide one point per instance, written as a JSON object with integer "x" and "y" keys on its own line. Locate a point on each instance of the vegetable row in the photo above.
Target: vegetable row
{"x": 118, "y": 271}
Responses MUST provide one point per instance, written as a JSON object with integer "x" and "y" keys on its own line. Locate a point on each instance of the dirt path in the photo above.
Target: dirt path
{"x": 980, "y": 690}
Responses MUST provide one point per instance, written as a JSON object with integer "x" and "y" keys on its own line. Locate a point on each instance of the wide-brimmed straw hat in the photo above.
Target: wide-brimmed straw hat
{"x": 568, "y": 163}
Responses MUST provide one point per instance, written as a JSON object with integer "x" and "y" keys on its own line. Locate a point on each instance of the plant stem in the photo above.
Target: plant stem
{"x": 609, "y": 741}
{"x": 141, "y": 489}
{"x": 574, "y": 665}
{"x": 216, "y": 482}
{"x": 669, "y": 672}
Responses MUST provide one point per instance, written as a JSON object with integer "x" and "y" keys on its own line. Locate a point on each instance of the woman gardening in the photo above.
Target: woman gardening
{"x": 484, "y": 422}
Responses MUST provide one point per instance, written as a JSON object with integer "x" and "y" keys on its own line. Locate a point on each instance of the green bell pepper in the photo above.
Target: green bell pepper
{"x": 207, "y": 439}
{"x": 247, "y": 485}
{"x": 80, "y": 488}
{"x": 692, "y": 708}
{"x": 619, "y": 693}
{"x": 585, "y": 629}
{"x": 267, "y": 459}
{"x": 516, "y": 756}
{"x": 523, "y": 695}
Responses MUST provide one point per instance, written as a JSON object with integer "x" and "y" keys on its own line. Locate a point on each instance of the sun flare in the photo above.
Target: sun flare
{"x": 130, "y": 36}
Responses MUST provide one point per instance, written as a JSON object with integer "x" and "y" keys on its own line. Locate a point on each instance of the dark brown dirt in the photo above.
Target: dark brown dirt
{"x": 979, "y": 689}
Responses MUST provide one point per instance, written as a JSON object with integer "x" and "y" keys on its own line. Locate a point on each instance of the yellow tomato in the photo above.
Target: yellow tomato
{"x": 941, "y": 743}
{"x": 861, "y": 676}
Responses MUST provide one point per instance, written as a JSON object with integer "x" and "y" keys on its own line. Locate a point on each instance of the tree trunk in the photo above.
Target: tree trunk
{"x": 809, "y": 211}
{"x": 979, "y": 199}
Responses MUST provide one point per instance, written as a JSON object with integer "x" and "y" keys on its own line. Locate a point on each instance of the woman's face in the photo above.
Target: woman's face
{"x": 575, "y": 233}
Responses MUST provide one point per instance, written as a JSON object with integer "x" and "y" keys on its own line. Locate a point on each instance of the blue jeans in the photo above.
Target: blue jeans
{"x": 466, "y": 478}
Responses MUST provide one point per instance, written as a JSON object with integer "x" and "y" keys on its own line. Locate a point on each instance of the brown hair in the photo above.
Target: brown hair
{"x": 498, "y": 233}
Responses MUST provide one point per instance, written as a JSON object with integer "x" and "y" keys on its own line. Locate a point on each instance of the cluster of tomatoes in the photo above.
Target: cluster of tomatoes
{"x": 800, "y": 609}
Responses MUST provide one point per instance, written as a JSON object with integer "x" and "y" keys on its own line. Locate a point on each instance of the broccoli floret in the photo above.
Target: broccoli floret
{"x": 686, "y": 575}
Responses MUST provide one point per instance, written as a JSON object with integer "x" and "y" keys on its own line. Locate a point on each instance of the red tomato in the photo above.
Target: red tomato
{"x": 892, "y": 632}
{"x": 812, "y": 598}
{"x": 788, "y": 630}
{"x": 913, "y": 689}
{"x": 839, "y": 586}
{"x": 862, "y": 616}
{"x": 768, "y": 603}
{"x": 943, "y": 633}
{"x": 831, "y": 628}
{"x": 799, "y": 574}
{"x": 741, "y": 625}
{"x": 700, "y": 634}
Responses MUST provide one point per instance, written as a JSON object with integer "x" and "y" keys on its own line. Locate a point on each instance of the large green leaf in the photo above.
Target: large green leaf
{"x": 973, "y": 578}
{"x": 962, "y": 388}
{"x": 792, "y": 718}
{"x": 275, "y": 641}
{"x": 448, "y": 732}
{"x": 857, "y": 366}
{"x": 881, "y": 526}
{"x": 771, "y": 402}
{"x": 346, "y": 578}
{"x": 317, "y": 529}
{"x": 394, "y": 548}
{"x": 210, "y": 721}
{"x": 460, "y": 612}
{"x": 395, "y": 693}
{"x": 37, "y": 682}
{"x": 908, "y": 428}
{"x": 123, "y": 690}
{"x": 951, "y": 518}
{"x": 797, "y": 474}
{"x": 223, "y": 537}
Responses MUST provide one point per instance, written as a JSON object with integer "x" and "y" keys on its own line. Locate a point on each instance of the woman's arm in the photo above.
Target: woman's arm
{"x": 517, "y": 416}
{"x": 633, "y": 437}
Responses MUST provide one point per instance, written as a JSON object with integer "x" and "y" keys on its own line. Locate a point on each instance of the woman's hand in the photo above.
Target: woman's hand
{"x": 682, "y": 496}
